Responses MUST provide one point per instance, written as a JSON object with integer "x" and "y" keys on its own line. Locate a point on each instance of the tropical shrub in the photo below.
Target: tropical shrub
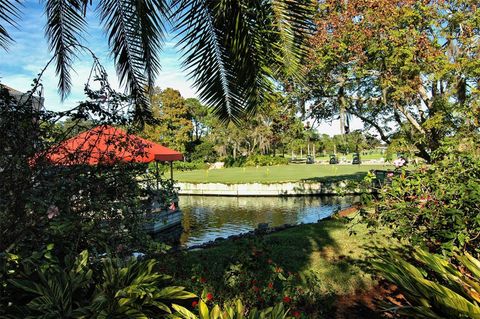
{"x": 265, "y": 160}
{"x": 84, "y": 287}
{"x": 248, "y": 272}
{"x": 433, "y": 286}
{"x": 255, "y": 160}
{"x": 235, "y": 310}
{"x": 188, "y": 166}
{"x": 44, "y": 286}
{"x": 436, "y": 206}
{"x": 204, "y": 152}
{"x": 75, "y": 206}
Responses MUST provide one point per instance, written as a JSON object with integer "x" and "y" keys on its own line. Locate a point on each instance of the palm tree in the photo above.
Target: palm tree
{"x": 232, "y": 49}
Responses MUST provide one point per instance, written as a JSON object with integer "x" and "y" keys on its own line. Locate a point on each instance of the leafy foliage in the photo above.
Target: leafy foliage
{"x": 229, "y": 45}
{"x": 44, "y": 203}
{"x": 41, "y": 286}
{"x": 65, "y": 23}
{"x": 255, "y": 160}
{"x": 173, "y": 126}
{"x": 407, "y": 69}
{"x": 233, "y": 49}
{"x": 9, "y": 12}
{"x": 234, "y": 310}
{"x": 436, "y": 205}
{"x": 435, "y": 288}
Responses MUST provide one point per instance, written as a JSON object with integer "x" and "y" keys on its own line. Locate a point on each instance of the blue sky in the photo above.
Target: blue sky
{"x": 29, "y": 54}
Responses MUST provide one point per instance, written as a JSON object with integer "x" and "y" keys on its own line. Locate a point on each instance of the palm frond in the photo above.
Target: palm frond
{"x": 65, "y": 23}
{"x": 293, "y": 22}
{"x": 206, "y": 58}
{"x": 231, "y": 46}
{"x": 135, "y": 30}
{"x": 9, "y": 14}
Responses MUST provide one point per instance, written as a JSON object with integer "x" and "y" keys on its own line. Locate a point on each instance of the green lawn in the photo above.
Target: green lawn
{"x": 276, "y": 174}
{"x": 319, "y": 261}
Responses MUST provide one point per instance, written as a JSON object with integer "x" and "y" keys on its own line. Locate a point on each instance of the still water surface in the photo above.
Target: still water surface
{"x": 206, "y": 218}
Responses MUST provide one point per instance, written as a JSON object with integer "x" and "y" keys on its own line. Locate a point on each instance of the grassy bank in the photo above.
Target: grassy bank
{"x": 308, "y": 266}
{"x": 276, "y": 174}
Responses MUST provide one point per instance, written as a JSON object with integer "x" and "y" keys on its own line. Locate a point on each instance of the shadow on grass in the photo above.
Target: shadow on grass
{"x": 324, "y": 258}
{"x": 336, "y": 178}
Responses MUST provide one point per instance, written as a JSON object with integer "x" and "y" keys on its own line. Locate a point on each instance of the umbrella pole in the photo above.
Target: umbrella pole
{"x": 171, "y": 170}
{"x": 157, "y": 173}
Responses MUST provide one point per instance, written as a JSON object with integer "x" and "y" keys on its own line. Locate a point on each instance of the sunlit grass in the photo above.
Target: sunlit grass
{"x": 334, "y": 251}
{"x": 276, "y": 174}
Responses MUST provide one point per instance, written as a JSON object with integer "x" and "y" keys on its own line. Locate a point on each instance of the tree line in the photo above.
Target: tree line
{"x": 191, "y": 127}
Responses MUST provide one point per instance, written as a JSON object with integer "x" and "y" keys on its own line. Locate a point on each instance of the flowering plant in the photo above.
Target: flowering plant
{"x": 435, "y": 205}
{"x": 399, "y": 162}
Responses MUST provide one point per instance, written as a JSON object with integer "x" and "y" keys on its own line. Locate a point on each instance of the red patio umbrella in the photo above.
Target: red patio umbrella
{"x": 108, "y": 145}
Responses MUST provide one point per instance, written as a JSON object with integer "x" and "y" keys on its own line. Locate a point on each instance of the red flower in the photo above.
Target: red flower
{"x": 203, "y": 280}
{"x": 278, "y": 269}
{"x": 296, "y": 314}
{"x": 194, "y": 303}
{"x": 254, "y": 282}
{"x": 209, "y": 296}
{"x": 270, "y": 285}
{"x": 287, "y": 299}
{"x": 255, "y": 288}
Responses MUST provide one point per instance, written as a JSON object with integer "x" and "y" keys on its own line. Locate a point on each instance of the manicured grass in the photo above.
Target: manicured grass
{"x": 276, "y": 174}
{"x": 330, "y": 260}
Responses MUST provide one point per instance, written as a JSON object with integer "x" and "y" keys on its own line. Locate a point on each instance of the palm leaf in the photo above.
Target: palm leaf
{"x": 293, "y": 22}
{"x": 9, "y": 13}
{"x": 206, "y": 58}
{"x": 230, "y": 47}
{"x": 65, "y": 23}
{"x": 135, "y": 31}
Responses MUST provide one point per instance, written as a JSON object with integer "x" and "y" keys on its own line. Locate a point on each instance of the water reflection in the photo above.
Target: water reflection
{"x": 206, "y": 218}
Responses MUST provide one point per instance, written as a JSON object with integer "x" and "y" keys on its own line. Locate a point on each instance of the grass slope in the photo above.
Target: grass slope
{"x": 331, "y": 261}
{"x": 276, "y": 174}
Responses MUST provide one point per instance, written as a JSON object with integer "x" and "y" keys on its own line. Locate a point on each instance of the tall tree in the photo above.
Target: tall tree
{"x": 232, "y": 49}
{"x": 174, "y": 121}
{"x": 406, "y": 68}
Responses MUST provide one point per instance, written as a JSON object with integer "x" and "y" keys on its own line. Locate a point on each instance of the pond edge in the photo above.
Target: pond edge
{"x": 346, "y": 187}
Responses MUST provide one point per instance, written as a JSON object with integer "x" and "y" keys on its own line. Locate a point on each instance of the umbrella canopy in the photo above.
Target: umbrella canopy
{"x": 108, "y": 145}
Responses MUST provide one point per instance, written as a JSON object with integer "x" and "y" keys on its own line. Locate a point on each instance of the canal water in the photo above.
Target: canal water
{"x": 206, "y": 218}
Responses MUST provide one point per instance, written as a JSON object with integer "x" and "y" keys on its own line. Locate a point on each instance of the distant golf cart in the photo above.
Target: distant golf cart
{"x": 333, "y": 159}
{"x": 356, "y": 159}
{"x": 310, "y": 159}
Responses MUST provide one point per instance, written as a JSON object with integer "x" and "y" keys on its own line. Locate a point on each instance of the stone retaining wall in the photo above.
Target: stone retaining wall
{"x": 257, "y": 189}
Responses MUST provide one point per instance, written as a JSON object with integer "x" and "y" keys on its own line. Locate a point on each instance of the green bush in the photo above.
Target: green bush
{"x": 436, "y": 206}
{"x": 204, "y": 152}
{"x": 255, "y": 160}
{"x": 188, "y": 166}
{"x": 43, "y": 286}
{"x": 235, "y": 310}
{"x": 434, "y": 288}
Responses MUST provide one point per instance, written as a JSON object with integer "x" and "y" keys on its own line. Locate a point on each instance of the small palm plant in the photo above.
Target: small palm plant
{"x": 235, "y": 310}
{"x": 436, "y": 288}
{"x": 115, "y": 288}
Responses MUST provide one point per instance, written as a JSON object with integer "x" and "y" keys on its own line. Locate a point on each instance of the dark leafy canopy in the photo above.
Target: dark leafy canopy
{"x": 233, "y": 49}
